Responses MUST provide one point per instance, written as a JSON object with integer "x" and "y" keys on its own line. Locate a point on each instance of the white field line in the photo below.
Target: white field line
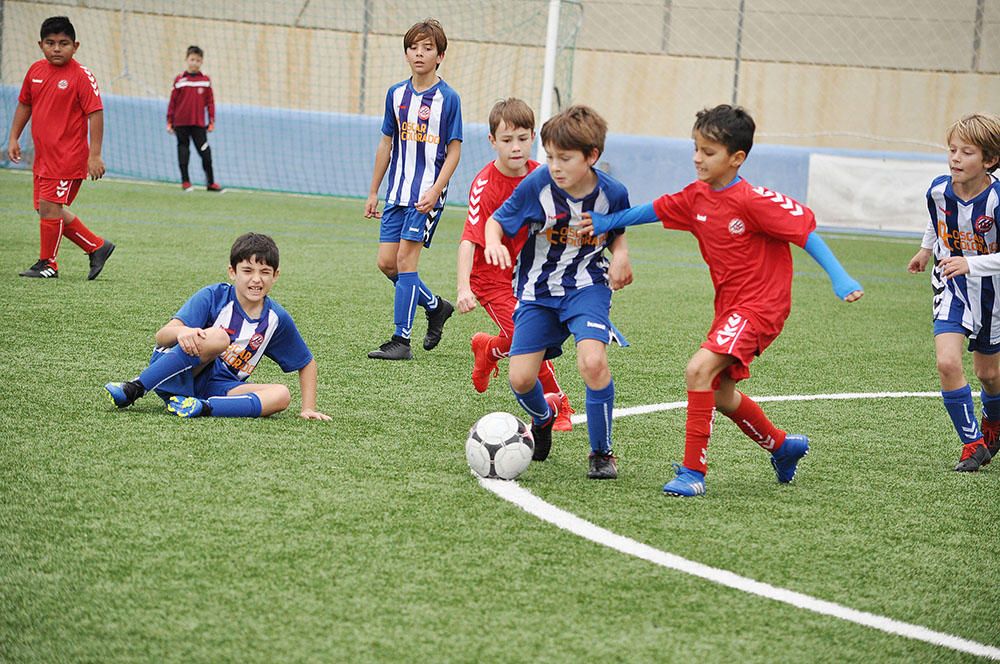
{"x": 512, "y": 492}
{"x": 674, "y": 405}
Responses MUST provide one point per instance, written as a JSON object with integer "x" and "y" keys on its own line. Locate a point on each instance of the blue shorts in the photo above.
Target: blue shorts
{"x": 215, "y": 380}
{"x": 946, "y": 326}
{"x": 402, "y": 222}
{"x": 545, "y": 324}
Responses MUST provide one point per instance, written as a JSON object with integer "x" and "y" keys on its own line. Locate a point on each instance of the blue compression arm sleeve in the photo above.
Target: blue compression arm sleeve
{"x": 843, "y": 283}
{"x": 641, "y": 214}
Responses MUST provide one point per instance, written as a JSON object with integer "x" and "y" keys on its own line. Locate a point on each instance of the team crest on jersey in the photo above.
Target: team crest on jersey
{"x": 255, "y": 341}
{"x": 983, "y": 224}
{"x": 736, "y": 226}
{"x": 63, "y": 84}
{"x": 424, "y": 113}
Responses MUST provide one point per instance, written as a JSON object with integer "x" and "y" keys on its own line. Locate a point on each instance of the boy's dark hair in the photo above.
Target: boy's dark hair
{"x": 254, "y": 245}
{"x": 429, "y": 28}
{"x": 195, "y": 50}
{"x": 577, "y": 128}
{"x": 515, "y": 113}
{"x": 730, "y": 125}
{"x": 56, "y": 25}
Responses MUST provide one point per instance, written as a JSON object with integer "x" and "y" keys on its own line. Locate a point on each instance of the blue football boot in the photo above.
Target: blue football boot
{"x": 688, "y": 483}
{"x": 786, "y": 458}
{"x": 186, "y": 406}
{"x": 125, "y": 394}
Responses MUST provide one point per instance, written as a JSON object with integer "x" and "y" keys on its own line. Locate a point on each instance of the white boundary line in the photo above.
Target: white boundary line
{"x": 512, "y": 492}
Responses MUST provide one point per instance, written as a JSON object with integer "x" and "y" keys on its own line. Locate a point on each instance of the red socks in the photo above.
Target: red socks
{"x": 754, "y": 423}
{"x": 50, "y": 232}
{"x": 499, "y": 347}
{"x": 748, "y": 417}
{"x": 700, "y": 412}
{"x": 82, "y": 236}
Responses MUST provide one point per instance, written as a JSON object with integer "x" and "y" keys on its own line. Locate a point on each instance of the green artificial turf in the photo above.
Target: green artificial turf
{"x": 138, "y": 536}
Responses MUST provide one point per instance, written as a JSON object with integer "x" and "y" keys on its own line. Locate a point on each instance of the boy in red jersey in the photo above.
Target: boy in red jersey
{"x": 61, "y": 97}
{"x": 190, "y": 99}
{"x": 743, "y": 233}
{"x": 512, "y": 131}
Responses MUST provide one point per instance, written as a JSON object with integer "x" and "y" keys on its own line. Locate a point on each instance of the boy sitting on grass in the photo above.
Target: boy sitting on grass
{"x": 206, "y": 353}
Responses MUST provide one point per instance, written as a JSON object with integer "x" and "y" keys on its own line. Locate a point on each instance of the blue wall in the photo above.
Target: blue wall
{"x": 333, "y": 153}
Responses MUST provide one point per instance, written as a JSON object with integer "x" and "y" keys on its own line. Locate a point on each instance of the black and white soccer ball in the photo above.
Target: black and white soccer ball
{"x": 499, "y": 446}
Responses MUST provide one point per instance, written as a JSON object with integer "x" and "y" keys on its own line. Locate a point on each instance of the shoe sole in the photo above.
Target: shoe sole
{"x": 114, "y": 401}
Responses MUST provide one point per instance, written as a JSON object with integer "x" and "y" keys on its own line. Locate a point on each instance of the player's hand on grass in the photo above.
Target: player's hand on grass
{"x": 371, "y": 207}
{"x": 466, "y": 301}
{"x": 95, "y": 167}
{"x": 14, "y": 151}
{"x": 190, "y": 339}
{"x": 308, "y": 414}
{"x": 854, "y": 296}
{"x": 497, "y": 254}
{"x": 919, "y": 261}
{"x": 954, "y": 266}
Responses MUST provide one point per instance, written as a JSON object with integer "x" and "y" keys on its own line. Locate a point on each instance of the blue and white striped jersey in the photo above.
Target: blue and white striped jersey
{"x": 272, "y": 334}
{"x": 965, "y": 228}
{"x": 421, "y": 125}
{"x": 556, "y": 258}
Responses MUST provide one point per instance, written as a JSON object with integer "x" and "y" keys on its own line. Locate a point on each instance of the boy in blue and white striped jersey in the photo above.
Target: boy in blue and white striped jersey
{"x": 562, "y": 279}
{"x": 205, "y": 354}
{"x": 964, "y": 207}
{"x": 420, "y": 147}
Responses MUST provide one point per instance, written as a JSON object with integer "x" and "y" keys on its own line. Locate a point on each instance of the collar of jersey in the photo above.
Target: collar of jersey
{"x": 974, "y": 199}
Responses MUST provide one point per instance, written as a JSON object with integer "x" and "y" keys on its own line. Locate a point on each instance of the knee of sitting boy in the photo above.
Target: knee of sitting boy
{"x": 284, "y": 398}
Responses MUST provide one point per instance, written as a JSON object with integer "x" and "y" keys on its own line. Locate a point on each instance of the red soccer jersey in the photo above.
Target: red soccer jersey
{"x": 60, "y": 98}
{"x": 743, "y": 233}
{"x": 490, "y": 188}
{"x": 190, "y": 98}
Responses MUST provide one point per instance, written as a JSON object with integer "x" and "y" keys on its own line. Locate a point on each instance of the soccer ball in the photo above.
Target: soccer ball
{"x": 499, "y": 446}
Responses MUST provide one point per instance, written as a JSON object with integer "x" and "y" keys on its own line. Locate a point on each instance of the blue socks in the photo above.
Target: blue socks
{"x": 991, "y": 405}
{"x": 240, "y": 405}
{"x": 534, "y": 403}
{"x": 168, "y": 365}
{"x": 410, "y": 291}
{"x": 959, "y": 405}
{"x": 600, "y": 404}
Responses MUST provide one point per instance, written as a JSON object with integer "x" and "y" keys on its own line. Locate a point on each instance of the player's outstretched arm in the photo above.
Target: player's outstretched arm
{"x": 21, "y": 116}
{"x": 382, "y": 154}
{"x": 595, "y": 223}
{"x": 307, "y": 386}
{"x": 844, "y": 286}
{"x": 620, "y": 269}
{"x": 466, "y": 301}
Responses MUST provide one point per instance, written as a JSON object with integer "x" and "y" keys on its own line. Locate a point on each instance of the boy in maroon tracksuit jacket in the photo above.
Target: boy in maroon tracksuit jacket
{"x": 189, "y": 99}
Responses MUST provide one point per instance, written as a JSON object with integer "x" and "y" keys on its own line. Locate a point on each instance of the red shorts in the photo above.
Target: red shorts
{"x": 56, "y": 191}
{"x": 734, "y": 334}
{"x": 501, "y": 310}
